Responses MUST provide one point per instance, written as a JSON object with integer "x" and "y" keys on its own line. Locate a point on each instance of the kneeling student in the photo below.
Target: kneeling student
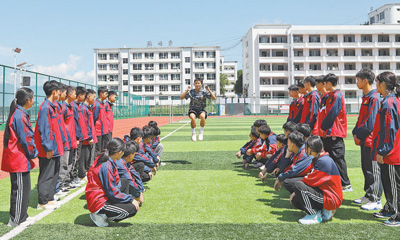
{"x": 319, "y": 194}
{"x": 106, "y": 194}
{"x": 254, "y": 135}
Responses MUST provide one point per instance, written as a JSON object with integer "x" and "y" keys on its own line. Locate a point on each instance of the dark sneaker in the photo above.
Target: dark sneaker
{"x": 391, "y": 223}
{"x": 381, "y": 214}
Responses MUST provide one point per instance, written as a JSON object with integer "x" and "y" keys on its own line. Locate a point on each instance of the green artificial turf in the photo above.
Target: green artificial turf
{"x": 204, "y": 193}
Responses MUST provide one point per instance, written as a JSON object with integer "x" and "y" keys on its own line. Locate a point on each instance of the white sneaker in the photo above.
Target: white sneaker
{"x": 49, "y": 205}
{"x": 61, "y": 194}
{"x": 311, "y": 219}
{"x": 259, "y": 164}
{"x": 362, "y": 200}
{"x": 200, "y": 136}
{"x": 194, "y": 137}
{"x": 262, "y": 167}
{"x": 372, "y": 206}
{"x": 99, "y": 219}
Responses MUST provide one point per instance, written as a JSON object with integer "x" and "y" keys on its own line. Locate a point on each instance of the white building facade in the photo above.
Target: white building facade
{"x": 276, "y": 56}
{"x": 387, "y": 14}
{"x": 229, "y": 68}
{"x": 159, "y": 73}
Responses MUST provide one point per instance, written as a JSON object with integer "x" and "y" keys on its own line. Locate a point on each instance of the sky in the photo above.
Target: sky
{"x": 58, "y": 37}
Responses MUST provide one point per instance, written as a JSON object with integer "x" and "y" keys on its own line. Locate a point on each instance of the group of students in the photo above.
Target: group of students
{"x": 308, "y": 159}
{"x": 71, "y": 127}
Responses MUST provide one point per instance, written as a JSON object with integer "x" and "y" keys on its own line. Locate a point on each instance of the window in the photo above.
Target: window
{"x": 199, "y": 65}
{"x": 349, "y": 38}
{"x": 372, "y": 20}
{"x": 149, "y": 55}
{"x": 398, "y": 52}
{"x": 384, "y": 52}
{"x": 175, "y": 98}
{"x": 102, "y": 77}
{"x": 187, "y": 70}
{"x": 298, "y": 38}
{"x": 265, "y": 81}
{"x": 151, "y": 98}
{"x": 149, "y": 77}
{"x": 211, "y": 65}
{"x": 299, "y": 67}
{"x": 298, "y": 52}
{"x": 279, "y": 81}
{"x": 163, "y": 88}
{"x": 175, "y": 77}
{"x": 349, "y": 66}
{"x": 350, "y": 94}
{"x": 212, "y": 87}
{"x": 264, "y": 53}
{"x": 279, "y": 67}
{"x": 368, "y": 66}
{"x": 113, "y": 66}
{"x": 397, "y": 67}
{"x": 124, "y": 60}
{"x": 113, "y": 56}
{"x": 137, "y": 56}
{"x": 163, "y": 55}
{"x": 349, "y": 52}
{"x": 279, "y": 39}
{"x": 210, "y": 76}
{"x": 163, "y": 98}
{"x": 333, "y": 66}
{"x": 210, "y": 54}
{"x": 383, "y": 38}
{"x": 397, "y": 38}
{"x": 199, "y": 75}
{"x": 137, "y": 66}
{"x": 279, "y": 53}
{"x": 198, "y": 54}
{"x": 187, "y": 59}
{"x": 315, "y": 66}
{"x": 315, "y": 52}
{"x": 331, "y": 38}
{"x": 384, "y": 66}
{"x": 175, "y": 55}
{"x": 263, "y": 39}
{"x": 187, "y": 81}
{"x": 175, "y": 66}
{"x": 163, "y": 77}
{"x": 265, "y": 67}
{"x": 149, "y": 66}
{"x": 137, "y": 77}
{"x": 114, "y": 88}
{"x": 102, "y": 56}
{"x": 366, "y": 38}
{"x": 125, "y": 71}
{"x": 381, "y": 15}
{"x": 314, "y": 38}
{"x": 125, "y": 82}
{"x": 175, "y": 88}
{"x": 163, "y": 66}
{"x": 366, "y": 52}
{"x": 113, "y": 78}
{"x": 102, "y": 67}
{"x": 149, "y": 88}
{"x": 332, "y": 52}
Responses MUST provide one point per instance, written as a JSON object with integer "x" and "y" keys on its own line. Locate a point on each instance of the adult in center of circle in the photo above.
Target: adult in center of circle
{"x": 198, "y": 100}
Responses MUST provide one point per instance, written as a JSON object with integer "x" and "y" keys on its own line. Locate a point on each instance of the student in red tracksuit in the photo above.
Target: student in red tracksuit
{"x": 386, "y": 146}
{"x": 100, "y": 118}
{"x": 49, "y": 140}
{"x": 362, "y": 134}
{"x": 296, "y": 105}
{"x": 106, "y": 193}
{"x": 319, "y": 194}
{"x": 334, "y": 128}
{"x": 18, "y": 151}
{"x": 311, "y": 105}
{"x": 112, "y": 97}
{"x": 324, "y": 94}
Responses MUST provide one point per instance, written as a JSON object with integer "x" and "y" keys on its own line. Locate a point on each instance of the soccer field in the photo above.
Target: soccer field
{"x": 204, "y": 193}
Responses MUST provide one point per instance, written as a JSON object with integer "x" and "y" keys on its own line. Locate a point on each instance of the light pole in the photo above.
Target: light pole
{"x": 16, "y": 50}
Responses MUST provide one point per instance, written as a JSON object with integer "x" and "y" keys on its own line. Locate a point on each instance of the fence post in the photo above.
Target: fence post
{"x": 36, "y": 93}
{"x": 4, "y": 90}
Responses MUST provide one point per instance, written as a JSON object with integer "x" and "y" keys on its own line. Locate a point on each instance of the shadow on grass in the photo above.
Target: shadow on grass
{"x": 33, "y": 198}
{"x": 178, "y": 162}
{"x": 289, "y": 215}
{"x": 353, "y": 212}
{"x": 4, "y": 217}
{"x": 84, "y": 220}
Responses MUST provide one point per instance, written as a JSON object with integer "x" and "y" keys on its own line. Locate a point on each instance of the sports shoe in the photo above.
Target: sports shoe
{"x": 73, "y": 185}
{"x": 362, "y": 200}
{"x": 381, "y": 214}
{"x": 12, "y": 224}
{"x": 200, "y": 136}
{"x": 49, "y": 205}
{"x": 326, "y": 215}
{"x": 347, "y": 188}
{"x": 194, "y": 137}
{"x": 262, "y": 167}
{"x": 83, "y": 181}
{"x": 372, "y": 206}
{"x": 259, "y": 164}
{"x": 391, "y": 223}
{"x": 61, "y": 194}
{"x": 311, "y": 219}
{"x": 99, "y": 219}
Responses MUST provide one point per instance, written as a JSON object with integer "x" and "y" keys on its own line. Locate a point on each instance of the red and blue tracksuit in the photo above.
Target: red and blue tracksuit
{"x": 244, "y": 149}
{"x": 272, "y": 162}
{"x": 335, "y": 122}
{"x": 295, "y": 110}
{"x": 325, "y": 176}
{"x": 154, "y": 142}
{"x": 301, "y": 165}
{"x": 109, "y": 116}
{"x": 142, "y": 156}
{"x": 104, "y": 186}
{"x": 77, "y": 117}
{"x": 150, "y": 152}
{"x": 87, "y": 125}
{"x": 21, "y": 148}
{"x": 310, "y": 109}
{"x": 100, "y": 119}
{"x": 69, "y": 120}
{"x": 67, "y": 143}
{"x": 322, "y": 111}
{"x": 125, "y": 172}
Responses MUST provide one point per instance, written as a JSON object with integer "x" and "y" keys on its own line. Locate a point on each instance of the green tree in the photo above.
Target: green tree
{"x": 223, "y": 81}
{"x": 239, "y": 83}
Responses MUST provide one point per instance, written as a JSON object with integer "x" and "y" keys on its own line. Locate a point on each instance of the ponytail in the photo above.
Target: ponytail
{"x": 114, "y": 146}
{"x": 13, "y": 106}
{"x": 397, "y": 90}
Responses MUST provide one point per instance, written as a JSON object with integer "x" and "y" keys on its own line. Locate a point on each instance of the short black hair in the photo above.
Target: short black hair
{"x": 152, "y": 124}
{"x": 366, "y": 74}
{"x": 297, "y": 138}
{"x": 156, "y": 131}
{"x": 81, "y": 91}
{"x": 135, "y": 133}
{"x": 254, "y": 132}
{"x": 102, "y": 89}
{"x": 315, "y": 144}
{"x": 332, "y": 78}
{"x": 89, "y": 92}
{"x": 70, "y": 89}
{"x": 198, "y": 79}
{"x": 289, "y": 126}
{"x": 148, "y": 131}
{"x": 311, "y": 80}
{"x": 293, "y": 87}
{"x": 63, "y": 87}
{"x": 304, "y": 129}
{"x": 259, "y": 123}
{"x": 110, "y": 93}
{"x": 130, "y": 148}
{"x": 50, "y": 86}
{"x": 300, "y": 84}
{"x": 320, "y": 79}
{"x": 264, "y": 129}
{"x": 281, "y": 138}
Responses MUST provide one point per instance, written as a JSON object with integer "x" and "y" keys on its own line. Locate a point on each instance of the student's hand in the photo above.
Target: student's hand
{"x": 276, "y": 171}
{"x": 238, "y": 154}
{"x": 158, "y": 157}
{"x": 248, "y": 152}
{"x": 49, "y": 154}
{"x": 277, "y": 185}
{"x": 188, "y": 89}
{"x": 91, "y": 142}
{"x": 207, "y": 87}
{"x": 356, "y": 140}
{"x": 379, "y": 159}
{"x": 258, "y": 156}
{"x": 291, "y": 197}
{"x": 136, "y": 204}
{"x": 150, "y": 175}
{"x": 322, "y": 133}
{"x": 157, "y": 165}
{"x": 269, "y": 156}
{"x": 140, "y": 199}
{"x": 154, "y": 170}
{"x": 77, "y": 142}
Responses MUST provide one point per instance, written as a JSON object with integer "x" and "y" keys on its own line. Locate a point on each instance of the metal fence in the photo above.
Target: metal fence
{"x": 126, "y": 106}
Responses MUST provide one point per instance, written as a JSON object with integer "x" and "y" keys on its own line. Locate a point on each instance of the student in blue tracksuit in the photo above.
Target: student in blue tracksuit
{"x": 18, "y": 151}
{"x": 285, "y": 160}
{"x": 148, "y": 134}
{"x": 254, "y": 135}
{"x": 272, "y": 162}
{"x": 156, "y": 144}
{"x": 141, "y": 162}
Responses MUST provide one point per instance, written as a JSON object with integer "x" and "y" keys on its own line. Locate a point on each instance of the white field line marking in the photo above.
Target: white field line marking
{"x": 38, "y": 217}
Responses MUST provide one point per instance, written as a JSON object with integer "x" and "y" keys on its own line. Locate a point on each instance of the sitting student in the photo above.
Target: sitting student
{"x": 156, "y": 144}
{"x": 269, "y": 146}
{"x": 128, "y": 172}
{"x": 106, "y": 194}
{"x": 254, "y": 135}
{"x": 258, "y": 123}
{"x": 319, "y": 194}
{"x": 141, "y": 159}
{"x": 148, "y": 134}
{"x": 272, "y": 162}
{"x": 285, "y": 160}
{"x": 301, "y": 163}
{"x": 304, "y": 129}
{"x": 261, "y": 146}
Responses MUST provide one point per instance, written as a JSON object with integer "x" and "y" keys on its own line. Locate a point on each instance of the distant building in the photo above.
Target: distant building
{"x": 230, "y": 69}
{"x": 387, "y": 14}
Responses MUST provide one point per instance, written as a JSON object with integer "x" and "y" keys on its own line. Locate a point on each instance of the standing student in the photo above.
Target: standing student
{"x": 296, "y": 105}
{"x": 362, "y": 134}
{"x": 386, "y": 146}
{"x": 334, "y": 128}
{"x": 106, "y": 194}
{"x": 311, "y": 105}
{"x": 18, "y": 151}
{"x": 49, "y": 138}
{"x": 322, "y": 105}
{"x": 112, "y": 97}
{"x": 100, "y": 118}
{"x": 197, "y": 106}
